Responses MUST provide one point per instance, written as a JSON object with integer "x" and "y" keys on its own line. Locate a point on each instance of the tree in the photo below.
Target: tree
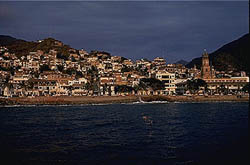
{"x": 70, "y": 71}
{"x": 153, "y": 83}
{"x": 88, "y": 86}
{"x": 195, "y": 84}
{"x": 201, "y": 83}
{"x": 79, "y": 74}
{"x": 222, "y": 89}
{"x": 60, "y": 68}
{"x": 73, "y": 59}
{"x": 123, "y": 88}
{"x": 246, "y": 88}
{"x": 44, "y": 68}
{"x": 126, "y": 69}
{"x": 61, "y": 56}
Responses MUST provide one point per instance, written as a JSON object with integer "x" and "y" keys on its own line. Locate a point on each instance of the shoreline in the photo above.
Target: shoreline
{"x": 95, "y": 100}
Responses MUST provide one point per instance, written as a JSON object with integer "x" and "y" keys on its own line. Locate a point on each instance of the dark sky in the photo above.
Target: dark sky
{"x": 173, "y": 30}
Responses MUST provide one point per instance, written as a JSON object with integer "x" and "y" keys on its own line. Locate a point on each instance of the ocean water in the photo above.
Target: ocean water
{"x": 169, "y": 133}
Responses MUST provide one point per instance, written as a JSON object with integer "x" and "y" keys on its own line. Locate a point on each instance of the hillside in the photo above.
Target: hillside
{"x": 234, "y": 55}
{"x": 8, "y": 40}
{"x": 22, "y": 48}
{"x": 183, "y": 62}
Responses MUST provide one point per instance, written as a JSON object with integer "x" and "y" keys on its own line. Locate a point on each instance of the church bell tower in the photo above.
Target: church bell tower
{"x": 205, "y": 69}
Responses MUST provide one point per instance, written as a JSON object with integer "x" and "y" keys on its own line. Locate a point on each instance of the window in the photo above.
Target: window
{"x": 165, "y": 81}
{"x": 166, "y": 76}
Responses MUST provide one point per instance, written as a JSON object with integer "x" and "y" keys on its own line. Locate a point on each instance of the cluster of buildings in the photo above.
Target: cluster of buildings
{"x": 81, "y": 73}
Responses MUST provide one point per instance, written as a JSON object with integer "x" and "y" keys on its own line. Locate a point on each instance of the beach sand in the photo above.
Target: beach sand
{"x": 76, "y": 100}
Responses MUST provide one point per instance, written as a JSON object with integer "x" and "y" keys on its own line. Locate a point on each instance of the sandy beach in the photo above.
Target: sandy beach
{"x": 76, "y": 100}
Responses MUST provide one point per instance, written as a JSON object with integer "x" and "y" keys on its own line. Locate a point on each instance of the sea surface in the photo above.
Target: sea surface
{"x": 141, "y": 134}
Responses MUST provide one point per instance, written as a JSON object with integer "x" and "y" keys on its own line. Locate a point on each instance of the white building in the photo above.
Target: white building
{"x": 169, "y": 81}
{"x": 232, "y": 84}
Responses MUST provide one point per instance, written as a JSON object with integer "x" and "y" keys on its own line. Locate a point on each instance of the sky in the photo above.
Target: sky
{"x": 172, "y": 30}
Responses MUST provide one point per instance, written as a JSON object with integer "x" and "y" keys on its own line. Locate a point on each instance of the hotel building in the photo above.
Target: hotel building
{"x": 169, "y": 80}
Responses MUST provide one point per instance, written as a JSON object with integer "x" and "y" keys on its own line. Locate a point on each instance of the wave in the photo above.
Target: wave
{"x": 145, "y": 102}
{"x": 17, "y": 105}
{"x": 131, "y": 103}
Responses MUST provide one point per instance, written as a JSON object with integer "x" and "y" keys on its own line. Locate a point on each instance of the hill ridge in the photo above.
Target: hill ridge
{"x": 230, "y": 56}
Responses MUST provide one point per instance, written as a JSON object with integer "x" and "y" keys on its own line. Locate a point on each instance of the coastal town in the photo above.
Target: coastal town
{"x": 98, "y": 73}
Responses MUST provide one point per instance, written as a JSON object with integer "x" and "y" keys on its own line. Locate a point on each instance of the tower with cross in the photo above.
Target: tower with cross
{"x": 205, "y": 68}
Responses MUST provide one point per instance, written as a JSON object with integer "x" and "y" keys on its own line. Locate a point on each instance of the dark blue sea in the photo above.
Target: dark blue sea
{"x": 126, "y": 134}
